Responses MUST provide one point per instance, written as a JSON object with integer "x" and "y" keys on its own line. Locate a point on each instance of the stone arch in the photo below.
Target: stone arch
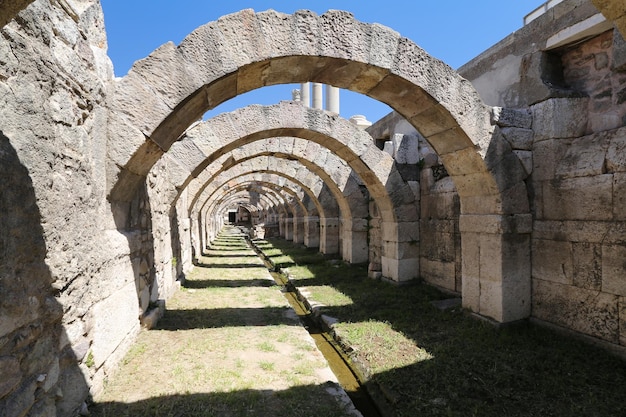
{"x": 337, "y": 140}
{"x": 282, "y": 196}
{"x": 306, "y": 223}
{"x": 10, "y": 8}
{"x": 292, "y": 171}
{"x": 262, "y": 201}
{"x": 165, "y": 93}
{"x": 283, "y": 147}
{"x": 352, "y": 204}
{"x": 615, "y": 11}
{"x": 274, "y": 199}
{"x": 288, "y": 190}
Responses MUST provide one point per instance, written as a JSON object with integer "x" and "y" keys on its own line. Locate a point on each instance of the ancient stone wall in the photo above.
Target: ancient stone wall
{"x": 68, "y": 275}
{"x": 439, "y": 240}
{"x": 77, "y": 274}
{"x": 578, "y": 181}
{"x": 572, "y": 143}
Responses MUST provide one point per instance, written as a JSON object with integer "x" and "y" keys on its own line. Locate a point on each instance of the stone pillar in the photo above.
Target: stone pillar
{"x": 184, "y": 233}
{"x": 355, "y": 249}
{"x": 288, "y": 228}
{"x": 305, "y": 94}
{"x": 317, "y": 96}
{"x": 281, "y": 226}
{"x": 298, "y": 230}
{"x": 329, "y": 235}
{"x": 496, "y": 265}
{"x": 332, "y": 99}
{"x": 312, "y": 231}
{"x": 400, "y": 252}
{"x": 197, "y": 236}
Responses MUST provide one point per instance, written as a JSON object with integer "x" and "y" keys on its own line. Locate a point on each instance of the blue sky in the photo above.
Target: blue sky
{"x": 454, "y": 31}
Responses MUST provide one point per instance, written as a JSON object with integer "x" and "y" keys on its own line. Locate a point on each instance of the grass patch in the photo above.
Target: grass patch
{"x": 267, "y": 366}
{"x": 223, "y": 349}
{"x": 266, "y": 346}
{"x": 446, "y": 363}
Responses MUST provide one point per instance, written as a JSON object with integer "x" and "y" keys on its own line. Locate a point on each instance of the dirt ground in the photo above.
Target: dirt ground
{"x": 228, "y": 345}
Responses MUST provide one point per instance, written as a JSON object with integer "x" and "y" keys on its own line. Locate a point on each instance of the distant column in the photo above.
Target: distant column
{"x": 305, "y": 94}
{"x": 332, "y": 99}
{"x": 317, "y": 96}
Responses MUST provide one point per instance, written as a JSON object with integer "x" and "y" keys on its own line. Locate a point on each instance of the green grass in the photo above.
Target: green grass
{"x": 447, "y": 363}
{"x": 266, "y": 346}
{"x": 225, "y": 347}
{"x": 267, "y": 366}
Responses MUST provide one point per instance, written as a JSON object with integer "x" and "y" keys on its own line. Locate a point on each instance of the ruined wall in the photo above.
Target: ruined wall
{"x": 579, "y": 239}
{"x": 439, "y": 238}
{"x": 68, "y": 306}
{"x": 571, "y": 137}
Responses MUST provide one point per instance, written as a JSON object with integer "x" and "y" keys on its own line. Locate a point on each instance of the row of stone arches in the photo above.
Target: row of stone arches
{"x": 153, "y": 107}
{"x": 106, "y": 177}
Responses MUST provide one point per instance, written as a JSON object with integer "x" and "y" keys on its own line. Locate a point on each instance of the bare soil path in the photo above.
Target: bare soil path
{"x": 229, "y": 345}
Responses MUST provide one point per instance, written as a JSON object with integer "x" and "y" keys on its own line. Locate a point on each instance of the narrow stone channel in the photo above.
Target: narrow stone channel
{"x": 333, "y": 353}
{"x": 229, "y": 344}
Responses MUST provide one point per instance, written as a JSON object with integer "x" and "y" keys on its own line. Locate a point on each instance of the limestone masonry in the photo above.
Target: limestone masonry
{"x": 504, "y": 182}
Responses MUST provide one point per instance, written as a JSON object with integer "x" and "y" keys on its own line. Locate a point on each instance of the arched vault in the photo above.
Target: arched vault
{"x": 165, "y": 93}
{"x": 354, "y": 233}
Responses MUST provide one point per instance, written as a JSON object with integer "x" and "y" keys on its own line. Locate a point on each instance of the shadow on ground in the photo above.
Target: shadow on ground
{"x": 474, "y": 368}
{"x": 294, "y": 402}
{"x": 225, "y": 317}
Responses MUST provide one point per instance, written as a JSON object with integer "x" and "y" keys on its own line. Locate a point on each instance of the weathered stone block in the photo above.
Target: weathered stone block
{"x": 589, "y": 312}
{"x": 400, "y": 270}
{"x": 439, "y": 206}
{"x": 619, "y": 196}
{"x": 20, "y": 402}
{"x": 495, "y": 223}
{"x": 400, "y": 250}
{"x": 516, "y": 298}
{"x": 547, "y": 155}
{"x": 575, "y": 231}
{"x": 616, "y": 152}
{"x": 519, "y": 138}
{"x": 437, "y": 246}
{"x": 587, "y": 265}
{"x": 406, "y": 149}
{"x": 552, "y": 261}
{"x": 491, "y": 304}
{"x": 526, "y": 158}
{"x": 482, "y": 204}
{"x": 507, "y": 117}
{"x": 115, "y": 318}
{"x": 439, "y": 273}
{"x": 470, "y": 258}
{"x": 560, "y": 118}
{"x": 401, "y": 232}
{"x": 11, "y": 374}
{"x": 463, "y": 162}
{"x": 614, "y": 269}
{"x": 585, "y": 198}
{"x": 610, "y": 9}
{"x": 584, "y": 157}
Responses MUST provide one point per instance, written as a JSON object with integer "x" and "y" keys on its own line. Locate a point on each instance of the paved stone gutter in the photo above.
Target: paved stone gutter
{"x": 378, "y": 394}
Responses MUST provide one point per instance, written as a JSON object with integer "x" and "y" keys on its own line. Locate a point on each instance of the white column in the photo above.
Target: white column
{"x": 332, "y": 99}
{"x": 317, "y": 96}
{"x": 305, "y": 94}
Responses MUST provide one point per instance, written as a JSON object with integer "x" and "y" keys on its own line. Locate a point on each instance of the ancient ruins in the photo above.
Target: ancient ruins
{"x": 504, "y": 182}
